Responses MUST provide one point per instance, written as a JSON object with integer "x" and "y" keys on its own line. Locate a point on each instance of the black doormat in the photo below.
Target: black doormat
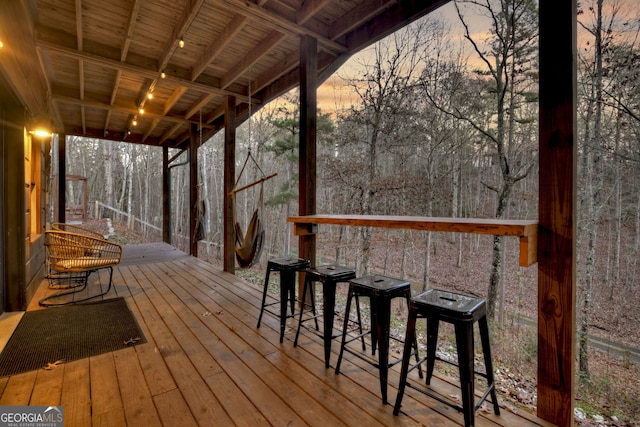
{"x": 65, "y": 334}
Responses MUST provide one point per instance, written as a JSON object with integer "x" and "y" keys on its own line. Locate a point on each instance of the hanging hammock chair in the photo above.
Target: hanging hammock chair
{"x": 248, "y": 246}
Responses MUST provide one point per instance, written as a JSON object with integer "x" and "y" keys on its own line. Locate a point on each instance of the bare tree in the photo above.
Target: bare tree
{"x": 605, "y": 95}
{"x": 507, "y": 56}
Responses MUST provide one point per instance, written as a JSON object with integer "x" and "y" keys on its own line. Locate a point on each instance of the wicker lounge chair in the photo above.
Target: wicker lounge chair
{"x": 72, "y": 228}
{"x": 75, "y": 256}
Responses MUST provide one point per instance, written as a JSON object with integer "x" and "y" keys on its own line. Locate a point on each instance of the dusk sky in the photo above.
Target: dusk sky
{"x": 333, "y": 93}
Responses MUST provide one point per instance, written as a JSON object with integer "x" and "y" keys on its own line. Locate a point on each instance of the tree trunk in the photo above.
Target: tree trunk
{"x": 496, "y": 262}
{"x": 427, "y": 261}
{"x": 594, "y": 205}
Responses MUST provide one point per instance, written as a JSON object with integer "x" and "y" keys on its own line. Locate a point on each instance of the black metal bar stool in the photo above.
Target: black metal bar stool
{"x": 380, "y": 290}
{"x": 462, "y": 311}
{"x": 287, "y": 268}
{"x": 329, "y": 276}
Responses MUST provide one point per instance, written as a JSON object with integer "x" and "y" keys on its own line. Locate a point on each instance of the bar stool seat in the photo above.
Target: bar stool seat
{"x": 462, "y": 311}
{"x": 329, "y": 276}
{"x": 380, "y": 290}
{"x": 287, "y": 267}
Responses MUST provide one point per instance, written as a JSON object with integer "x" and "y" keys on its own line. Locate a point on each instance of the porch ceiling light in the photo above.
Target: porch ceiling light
{"x": 181, "y": 43}
{"x": 41, "y": 133}
{"x": 40, "y": 128}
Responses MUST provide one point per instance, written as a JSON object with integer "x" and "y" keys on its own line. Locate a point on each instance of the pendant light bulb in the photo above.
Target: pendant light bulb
{"x": 181, "y": 43}
{"x": 163, "y": 75}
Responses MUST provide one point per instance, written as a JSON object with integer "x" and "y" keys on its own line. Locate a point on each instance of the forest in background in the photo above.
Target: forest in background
{"x": 439, "y": 122}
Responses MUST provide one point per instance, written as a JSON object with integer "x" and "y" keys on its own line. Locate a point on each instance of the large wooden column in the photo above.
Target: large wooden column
{"x": 62, "y": 177}
{"x": 229, "y": 180}
{"x": 557, "y": 212}
{"x": 166, "y": 194}
{"x": 308, "y": 125}
{"x": 193, "y": 189}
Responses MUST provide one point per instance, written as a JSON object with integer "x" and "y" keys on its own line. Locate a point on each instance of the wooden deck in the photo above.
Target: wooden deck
{"x": 205, "y": 363}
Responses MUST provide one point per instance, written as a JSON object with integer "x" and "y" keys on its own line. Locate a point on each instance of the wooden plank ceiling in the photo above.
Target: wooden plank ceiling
{"x": 88, "y": 67}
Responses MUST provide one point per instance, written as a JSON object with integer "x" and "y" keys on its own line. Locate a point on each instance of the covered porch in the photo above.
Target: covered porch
{"x": 206, "y": 363}
{"x": 64, "y": 64}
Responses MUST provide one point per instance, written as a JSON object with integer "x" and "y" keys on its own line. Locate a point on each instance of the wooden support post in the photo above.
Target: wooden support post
{"x": 229, "y": 181}
{"x": 193, "y": 189}
{"x": 557, "y": 212}
{"x": 166, "y": 200}
{"x": 14, "y": 204}
{"x": 62, "y": 177}
{"x": 308, "y": 125}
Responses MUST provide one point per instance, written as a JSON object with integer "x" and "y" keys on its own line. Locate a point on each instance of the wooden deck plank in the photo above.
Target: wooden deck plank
{"x": 200, "y": 398}
{"x": 76, "y": 394}
{"x": 312, "y": 383}
{"x": 18, "y": 390}
{"x": 368, "y": 381}
{"x": 207, "y": 352}
{"x": 173, "y": 409}
{"x": 48, "y": 387}
{"x": 205, "y": 360}
{"x": 256, "y": 388}
{"x": 371, "y": 401}
{"x": 139, "y": 409}
{"x": 3, "y": 384}
{"x": 155, "y": 370}
{"x": 106, "y": 401}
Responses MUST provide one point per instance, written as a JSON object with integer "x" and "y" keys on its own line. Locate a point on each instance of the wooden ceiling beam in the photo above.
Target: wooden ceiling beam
{"x": 79, "y": 38}
{"x": 110, "y": 135}
{"x": 356, "y": 17}
{"x": 400, "y": 14}
{"x": 165, "y": 137}
{"x": 188, "y": 15}
{"x": 19, "y": 59}
{"x": 142, "y": 71}
{"x": 309, "y": 9}
{"x": 175, "y": 96}
{"x": 120, "y": 109}
{"x": 286, "y": 66}
{"x": 80, "y": 44}
{"x": 116, "y": 84}
{"x": 198, "y": 105}
{"x": 288, "y": 80}
{"x": 47, "y": 73}
{"x": 154, "y": 124}
{"x": 261, "y": 49}
{"x": 112, "y": 101}
{"x": 106, "y": 122}
{"x": 227, "y": 36}
{"x": 131, "y": 25}
{"x": 265, "y": 17}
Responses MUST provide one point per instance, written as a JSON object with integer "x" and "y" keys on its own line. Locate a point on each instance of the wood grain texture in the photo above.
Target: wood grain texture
{"x": 526, "y": 230}
{"x": 214, "y": 367}
{"x": 557, "y": 212}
